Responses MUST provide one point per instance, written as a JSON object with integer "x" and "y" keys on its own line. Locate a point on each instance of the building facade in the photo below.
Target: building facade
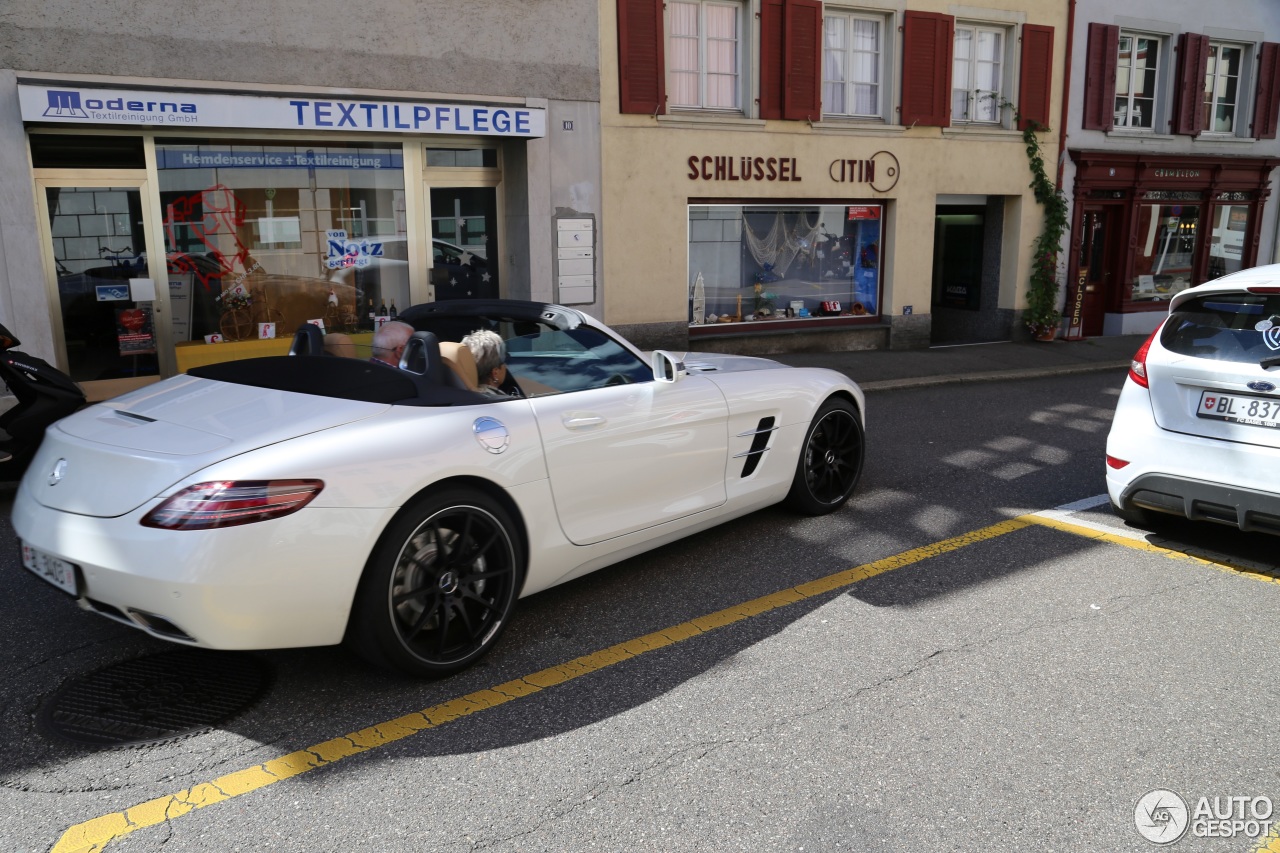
{"x": 787, "y": 174}
{"x": 166, "y": 201}
{"x": 1171, "y": 153}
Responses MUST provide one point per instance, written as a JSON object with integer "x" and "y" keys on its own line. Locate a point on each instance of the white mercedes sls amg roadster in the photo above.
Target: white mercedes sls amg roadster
{"x": 308, "y": 499}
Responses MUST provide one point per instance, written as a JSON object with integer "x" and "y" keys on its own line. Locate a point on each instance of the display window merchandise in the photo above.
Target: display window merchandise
{"x": 281, "y": 235}
{"x": 754, "y": 264}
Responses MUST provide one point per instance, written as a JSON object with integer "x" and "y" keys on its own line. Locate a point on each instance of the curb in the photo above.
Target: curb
{"x": 990, "y": 376}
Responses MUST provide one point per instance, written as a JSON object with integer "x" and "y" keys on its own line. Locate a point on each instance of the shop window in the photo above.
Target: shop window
{"x": 1222, "y": 87}
{"x": 1164, "y": 261}
{"x": 1226, "y": 240}
{"x": 704, "y": 55}
{"x": 852, "y": 65}
{"x": 977, "y": 75}
{"x": 261, "y": 238}
{"x": 765, "y": 263}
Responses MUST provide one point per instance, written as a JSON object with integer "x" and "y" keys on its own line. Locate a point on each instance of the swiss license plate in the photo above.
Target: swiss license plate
{"x": 1235, "y": 409}
{"x": 56, "y": 571}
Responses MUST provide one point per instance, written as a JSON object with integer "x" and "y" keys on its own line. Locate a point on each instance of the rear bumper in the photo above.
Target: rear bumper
{"x": 1196, "y": 500}
{"x": 277, "y": 584}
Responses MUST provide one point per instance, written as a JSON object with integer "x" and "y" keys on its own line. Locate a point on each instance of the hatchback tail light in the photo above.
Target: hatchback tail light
{"x": 226, "y": 503}
{"x": 1138, "y": 366}
{"x": 1116, "y": 462}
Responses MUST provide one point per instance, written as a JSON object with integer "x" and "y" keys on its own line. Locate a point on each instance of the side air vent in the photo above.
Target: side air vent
{"x": 759, "y": 444}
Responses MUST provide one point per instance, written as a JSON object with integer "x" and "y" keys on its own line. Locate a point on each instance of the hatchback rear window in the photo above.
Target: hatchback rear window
{"x": 1241, "y": 327}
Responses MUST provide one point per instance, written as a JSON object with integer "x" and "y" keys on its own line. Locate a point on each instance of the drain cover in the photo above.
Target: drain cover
{"x": 155, "y": 698}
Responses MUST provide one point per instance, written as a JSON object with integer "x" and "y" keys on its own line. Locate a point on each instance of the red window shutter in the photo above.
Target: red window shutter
{"x": 771, "y": 58}
{"x": 1036, "y": 79}
{"x": 642, "y": 69}
{"x": 802, "y": 92}
{"x": 1100, "y": 77}
{"x": 1188, "y": 95}
{"x": 1266, "y": 105}
{"x": 927, "y": 44}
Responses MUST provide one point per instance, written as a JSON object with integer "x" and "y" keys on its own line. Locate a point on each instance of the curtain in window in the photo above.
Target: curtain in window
{"x": 722, "y": 56}
{"x": 866, "y": 67}
{"x": 986, "y": 105}
{"x": 960, "y": 83}
{"x": 683, "y": 55}
{"x": 833, "y": 71}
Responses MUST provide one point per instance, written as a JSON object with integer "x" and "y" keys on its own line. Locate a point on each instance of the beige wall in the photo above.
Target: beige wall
{"x": 647, "y": 188}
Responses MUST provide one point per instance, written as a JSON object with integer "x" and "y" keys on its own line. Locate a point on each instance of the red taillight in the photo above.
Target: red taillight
{"x": 205, "y": 506}
{"x": 1263, "y": 289}
{"x": 1113, "y": 462}
{"x": 1138, "y": 367}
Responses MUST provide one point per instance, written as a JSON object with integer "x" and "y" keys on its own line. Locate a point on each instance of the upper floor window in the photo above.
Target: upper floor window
{"x": 851, "y": 65}
{"x": 1222, "y": 87}
{"x": 977, "y": 74}
{"x": 1137, "y": 69}
{"x": 704, "y": 55}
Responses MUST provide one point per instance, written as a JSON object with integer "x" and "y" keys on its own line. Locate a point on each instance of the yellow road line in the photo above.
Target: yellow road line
{"x": 94, "y": 835}
{"x": 1129, "y": 541}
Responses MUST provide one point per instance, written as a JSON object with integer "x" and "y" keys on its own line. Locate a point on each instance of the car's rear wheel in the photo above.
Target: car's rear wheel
{"x": 830, "y": 460}
{"x": 440, "y": 586}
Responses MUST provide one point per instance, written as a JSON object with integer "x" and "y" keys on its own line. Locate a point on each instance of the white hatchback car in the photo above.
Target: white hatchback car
{"x": 1196, "y": 431}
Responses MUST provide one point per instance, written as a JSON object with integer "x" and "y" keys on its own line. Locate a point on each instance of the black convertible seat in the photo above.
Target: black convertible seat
{"x": 350, "y": 378}
{"x": 341, "y": 378}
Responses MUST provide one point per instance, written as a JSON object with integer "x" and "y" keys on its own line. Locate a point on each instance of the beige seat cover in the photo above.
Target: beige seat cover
{"x": 460, "y": 360}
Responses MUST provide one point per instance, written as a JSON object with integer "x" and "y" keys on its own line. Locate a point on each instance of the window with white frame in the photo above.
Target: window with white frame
{"x": 977, "y": 74}
{"x": 1137, "y": 74}
{"x": 704, "y": 55}
{"x": 852, "y": 65}
{"x": 1222, "y": 87}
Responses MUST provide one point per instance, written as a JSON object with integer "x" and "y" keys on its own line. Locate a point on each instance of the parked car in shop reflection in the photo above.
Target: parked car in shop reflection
{"x": 461, "y": 273}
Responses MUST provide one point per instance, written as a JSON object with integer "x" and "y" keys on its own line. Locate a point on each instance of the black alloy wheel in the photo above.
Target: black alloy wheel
{"x": 830, "y": 461}
{"x": 440, "y": 586}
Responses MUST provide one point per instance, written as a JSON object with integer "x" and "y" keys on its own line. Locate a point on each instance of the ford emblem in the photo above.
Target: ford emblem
{"x": 1262, "y": 386}
{"x": 58, "y": 472}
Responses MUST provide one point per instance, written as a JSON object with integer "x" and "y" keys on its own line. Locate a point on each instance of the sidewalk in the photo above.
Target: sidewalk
{"x": 881, "y": 370}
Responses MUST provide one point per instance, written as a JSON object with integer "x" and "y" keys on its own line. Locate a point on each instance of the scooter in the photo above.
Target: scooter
{"x": 44, "y": 395}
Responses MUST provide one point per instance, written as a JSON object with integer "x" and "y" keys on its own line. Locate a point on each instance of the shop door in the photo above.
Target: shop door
{"x": 1097, "y": 266}
{"x": 108, "y": 314}
{"x": 464, "y": 242}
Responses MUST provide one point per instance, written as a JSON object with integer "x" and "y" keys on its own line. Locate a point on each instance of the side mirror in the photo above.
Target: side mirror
{"x": 667, "y": 368}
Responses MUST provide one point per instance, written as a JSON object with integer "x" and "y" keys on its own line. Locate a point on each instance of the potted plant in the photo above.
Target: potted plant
{"x": 1042, "y": 316}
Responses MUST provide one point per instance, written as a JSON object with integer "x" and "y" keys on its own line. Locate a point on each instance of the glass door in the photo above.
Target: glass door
{"x": 106, "y": 309}
{"x": 464, "y": 242}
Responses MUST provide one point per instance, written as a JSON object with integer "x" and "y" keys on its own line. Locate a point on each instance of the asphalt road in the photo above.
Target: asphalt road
{"x": 1019, "y": 687}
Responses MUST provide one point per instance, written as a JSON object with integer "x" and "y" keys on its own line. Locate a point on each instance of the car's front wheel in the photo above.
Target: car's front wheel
{"x": 830, "y": 460}
{"x": 440, "y": 586}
